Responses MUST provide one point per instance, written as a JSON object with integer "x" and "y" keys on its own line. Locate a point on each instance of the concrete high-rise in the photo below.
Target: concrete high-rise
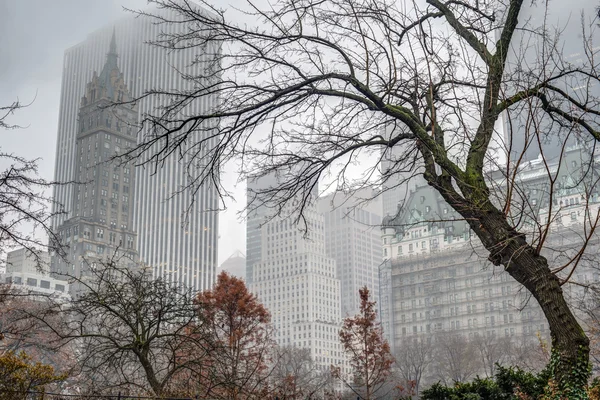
{"x": 176, "y": 236}
{"x": 352, "y": 225}
{"x": 296, "y": 281}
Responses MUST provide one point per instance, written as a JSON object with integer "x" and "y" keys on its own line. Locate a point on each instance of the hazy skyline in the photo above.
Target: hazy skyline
{"x": 34, "y": 35}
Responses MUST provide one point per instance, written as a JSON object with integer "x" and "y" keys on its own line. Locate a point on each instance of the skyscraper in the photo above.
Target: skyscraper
{"x": 176, "y": 236}
{"x": 352, "y": 226}
{"x": 101, "y": 222}
{"x": 296, "y": 281}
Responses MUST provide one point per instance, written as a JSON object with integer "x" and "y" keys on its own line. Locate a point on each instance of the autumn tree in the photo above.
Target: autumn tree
{"x": 369, "y": 354}
{"x": 20, "y": 375}
{"x": 235, "y": 328}
{"x": 325, "y": 89}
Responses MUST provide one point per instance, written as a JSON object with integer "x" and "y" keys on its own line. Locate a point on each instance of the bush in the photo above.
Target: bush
{"x": 508, "y": 383}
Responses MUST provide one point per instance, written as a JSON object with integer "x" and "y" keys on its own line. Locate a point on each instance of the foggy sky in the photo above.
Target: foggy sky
{"x": 33, "y": 37}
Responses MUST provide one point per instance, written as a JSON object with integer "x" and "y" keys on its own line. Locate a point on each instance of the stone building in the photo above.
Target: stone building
{"x": 101, "y": 226}
{"x": 436, "y": 278}
{"x": 177, "y": 236}
{"x": 297, "y": 282}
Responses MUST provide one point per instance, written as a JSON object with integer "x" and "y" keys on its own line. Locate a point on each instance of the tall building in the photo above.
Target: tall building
{"x": 176, "y": 236}
{"x": 296, "y": 281}
{"x": 258, "y": 213}
{"x": 352, "y": 224}
{"x": 101, "y": 222}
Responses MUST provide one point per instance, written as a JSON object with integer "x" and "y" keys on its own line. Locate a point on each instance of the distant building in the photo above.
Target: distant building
{"x": 176, "y": 236}
{"x": 353, "y": 239}
{"x": 437, "y": 278}
{"x": 101, "y": 226}
{"x": 258, "y": 213}
{"x": 297, "y": 282}
{"x": 235, "y": 265}
{"x": 24, "y": 270}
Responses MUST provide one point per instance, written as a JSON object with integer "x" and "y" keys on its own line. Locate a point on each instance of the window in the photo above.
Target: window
{"x": 100, "y": 233}
{"x": 45, "y": 284}
{"x": 410, "y": 248}
{"x": 31, "y": 282}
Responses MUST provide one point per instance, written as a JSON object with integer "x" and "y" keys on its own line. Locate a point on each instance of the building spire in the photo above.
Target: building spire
{"x": 110, "y": 65}
{"x": 111, "y": 56}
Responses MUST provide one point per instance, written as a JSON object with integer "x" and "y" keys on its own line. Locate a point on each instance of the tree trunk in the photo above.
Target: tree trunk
{"x": 570, "y": 345}
{"x": 507, "y": 247}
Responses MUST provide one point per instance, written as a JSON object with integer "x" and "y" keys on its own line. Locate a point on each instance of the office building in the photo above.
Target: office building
{"x": 352, "y": 225}
{"x": 177, "y": 235}
{"x": 297, "y": 282}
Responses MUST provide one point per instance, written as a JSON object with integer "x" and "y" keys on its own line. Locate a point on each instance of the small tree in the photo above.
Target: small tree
{"x": 456, "y": 358}
{"x": 19, "y": 375}
{"x": 413, "y": 359}
{"x": 295, "y": 376}
{"x": 369, "y": 353}
{"x": 236, "y": 330}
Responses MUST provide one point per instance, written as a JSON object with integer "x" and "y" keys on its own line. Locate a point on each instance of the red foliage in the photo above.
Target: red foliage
{"x": 236, "y": 329}
{"x": 369, "y": 353}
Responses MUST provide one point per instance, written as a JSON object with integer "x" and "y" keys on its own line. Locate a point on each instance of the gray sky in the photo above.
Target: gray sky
{"x": 33, "y": 37}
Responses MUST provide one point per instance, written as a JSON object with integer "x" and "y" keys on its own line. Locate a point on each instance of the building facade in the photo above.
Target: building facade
{"x": 177, "y": 235}
{"x": 297, "y": 282}
{"x": 353, "y": 239}
{"x": 437, "y": 278}
{"x": 30, "y": 273}
{"x": 101, "y": 224}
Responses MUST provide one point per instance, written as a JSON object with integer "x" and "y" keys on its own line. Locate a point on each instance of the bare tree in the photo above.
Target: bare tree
{"x": 413, "y": 359}
{"x": 130, "y": 331}
{"x": 295, "y": 376}
{"x": 492, "y": 350}
{"x": 308, "y": 87}
{"x": 456, "y": 359}
{"x": 24, "y": 201}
